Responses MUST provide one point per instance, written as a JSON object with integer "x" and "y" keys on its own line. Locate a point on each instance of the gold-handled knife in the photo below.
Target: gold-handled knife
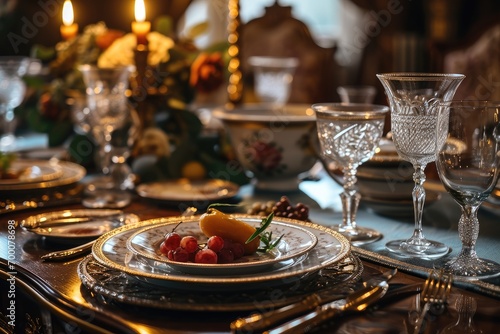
{"x": 357, "y": 301}
{"x": 256, "y": 323}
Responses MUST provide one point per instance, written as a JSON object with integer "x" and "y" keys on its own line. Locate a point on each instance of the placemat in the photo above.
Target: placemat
{"x": 440, "y": 222}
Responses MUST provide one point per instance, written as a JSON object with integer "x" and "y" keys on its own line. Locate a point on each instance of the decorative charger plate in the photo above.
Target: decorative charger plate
{"x": 111, "y": 251}
{"x": 74, "y": 225}
{"x": 29, "y": 171}
{"x": 71, "y": 173}
{"x": 186, "y": 190}
{"x": 295, "y": 241}
{"x": 114, "y": 285}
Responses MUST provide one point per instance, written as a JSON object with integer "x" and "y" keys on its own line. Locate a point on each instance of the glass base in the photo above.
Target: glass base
{"x": 422, "y": 249}
{"x": 111, "y": 199}
{"x": 358, "y": 235}
{"x": 100, "y": 193}
{"x": 8, "y": 143}
{"x": 472, "y": 268}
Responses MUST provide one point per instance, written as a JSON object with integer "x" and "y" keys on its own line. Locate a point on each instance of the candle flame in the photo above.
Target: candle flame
{"x": 140, "y": 11}
{"x": 67, "y": 13}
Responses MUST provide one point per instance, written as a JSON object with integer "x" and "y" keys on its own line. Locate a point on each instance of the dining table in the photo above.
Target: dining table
{"x": 40, "y": 296}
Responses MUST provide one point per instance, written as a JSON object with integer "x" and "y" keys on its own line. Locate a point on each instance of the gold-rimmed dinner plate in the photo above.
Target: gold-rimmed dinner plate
{"x": 294, "y": 242}
{"x": 111, "y": 251}
{"x": 30, "y": 171}
{"x": 197, "y": 193}
{"x": 69, "y": 226}
{"x": 71, "y": 174}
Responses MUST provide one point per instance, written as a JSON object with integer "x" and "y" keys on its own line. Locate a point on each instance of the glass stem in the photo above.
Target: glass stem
{"x": 350, "y": 200}
{"x": 468, "y": 231}
{"x": 418, "y": 201}
{"x": 7, "y": 124}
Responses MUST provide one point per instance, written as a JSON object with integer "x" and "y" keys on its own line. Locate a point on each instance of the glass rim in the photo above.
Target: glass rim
{"x": 471, "y": 103}
{"x": 419, "y": 76}
{"x": 350, "y": 109}
{"x": 273, "y": 62}
{"x": 92, "y": 67}
{"x": 357, "y": 88}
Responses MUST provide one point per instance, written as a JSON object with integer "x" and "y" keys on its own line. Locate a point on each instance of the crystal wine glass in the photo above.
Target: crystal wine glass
{"x": 349, "y": 134}
{"x": 413, "y": 98}
{"x": 468, "y": 166}
{"x": 12, "y": 90}
{"x": 110, "y": 121}
{"x": 273, "y": 78}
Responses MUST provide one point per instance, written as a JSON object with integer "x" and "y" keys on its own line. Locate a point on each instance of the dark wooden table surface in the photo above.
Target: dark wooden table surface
{"x": 48, "y": 297}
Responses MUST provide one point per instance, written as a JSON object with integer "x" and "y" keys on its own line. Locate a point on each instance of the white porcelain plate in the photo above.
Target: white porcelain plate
{"x": 111, "y": 251}
{"x": 295, "y": 241}
{"x": 183, "y": 190}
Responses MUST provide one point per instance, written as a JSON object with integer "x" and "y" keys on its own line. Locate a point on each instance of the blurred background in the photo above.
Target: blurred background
{"x": 363, "y": 37}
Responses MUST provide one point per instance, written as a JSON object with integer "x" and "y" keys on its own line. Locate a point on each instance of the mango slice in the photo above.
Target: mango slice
{"x": 215, "y": 222}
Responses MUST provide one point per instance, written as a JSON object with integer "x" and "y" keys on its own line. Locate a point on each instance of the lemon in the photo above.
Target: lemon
{"x": 193, "y": 170}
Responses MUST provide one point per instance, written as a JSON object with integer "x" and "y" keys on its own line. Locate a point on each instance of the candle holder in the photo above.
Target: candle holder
{"x": 140, "y": 87}
{"x": 235, "y": 85}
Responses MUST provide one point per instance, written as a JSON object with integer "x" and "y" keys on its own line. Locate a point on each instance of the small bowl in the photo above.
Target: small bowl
{"x": 274, "y": 145}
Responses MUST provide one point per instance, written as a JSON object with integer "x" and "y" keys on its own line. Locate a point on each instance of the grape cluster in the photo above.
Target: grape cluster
{"x": 187, "y": 249}
{"x": 282, "y": 208}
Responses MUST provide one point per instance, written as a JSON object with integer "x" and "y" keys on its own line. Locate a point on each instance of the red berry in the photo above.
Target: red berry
{"x": 238, "y": 250}
{"x": 192, "y": 256}
{"x": 225, "y": 256}
{"x": 189, "y": 243}
{"x": 206, "y": 255}
{"x": 180, "y": 255}
{"x": 172, "y": 241}
{"x": 170, "y": 255}
{"x": 163, "y": 248}
{"x": 215, "y": 243}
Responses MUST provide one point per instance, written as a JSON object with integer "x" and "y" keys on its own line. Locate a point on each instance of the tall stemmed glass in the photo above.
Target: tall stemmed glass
{"x": 109, "y": 118}
{"x": 349, "y": 134}
{"x": 414, "y": 98}
{"x": 468, "y": 166}
{"x": 12, "y": 90}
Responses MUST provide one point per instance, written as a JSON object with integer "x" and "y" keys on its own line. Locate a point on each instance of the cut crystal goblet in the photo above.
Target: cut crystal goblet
{"x": 349, "y": 135}
{"x": 413, "y": 98}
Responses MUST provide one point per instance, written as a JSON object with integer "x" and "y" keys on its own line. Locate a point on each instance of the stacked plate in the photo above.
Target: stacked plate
{"x": 386, "y": 183}
{"x": 134, "y": 250}
{"x": 39, "y": 175}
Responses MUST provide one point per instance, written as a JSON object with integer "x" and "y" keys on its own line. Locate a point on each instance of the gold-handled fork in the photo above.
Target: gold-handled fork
{"x": 435, "y": 293}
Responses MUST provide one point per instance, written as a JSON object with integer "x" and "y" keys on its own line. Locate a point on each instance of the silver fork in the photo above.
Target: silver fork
{"x": 435, "y": 293}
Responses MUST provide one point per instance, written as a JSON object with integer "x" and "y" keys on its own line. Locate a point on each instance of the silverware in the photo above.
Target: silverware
{"x": 356, "y": 302}
{"x": 69, "y": 253}
{"x": 258, "y": 322}
{"x": 435, "y": 293}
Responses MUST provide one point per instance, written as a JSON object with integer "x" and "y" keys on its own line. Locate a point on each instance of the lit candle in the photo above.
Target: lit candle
{"x": 68, "y": 29}
{"x": 141, "y": 27}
